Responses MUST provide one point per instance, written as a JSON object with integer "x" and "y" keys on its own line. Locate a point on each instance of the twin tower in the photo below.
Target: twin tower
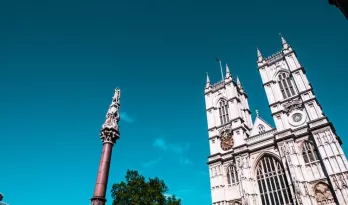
{"x": 300, "y": 161}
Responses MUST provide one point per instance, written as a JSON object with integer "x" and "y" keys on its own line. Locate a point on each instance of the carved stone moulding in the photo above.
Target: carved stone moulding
{"x": 225, "y": 129}
{"x": 294, "y": 104}
{"x": 109, "y": 135}
{"x": 98, "y": 200}
{"x": 323, "y": 194}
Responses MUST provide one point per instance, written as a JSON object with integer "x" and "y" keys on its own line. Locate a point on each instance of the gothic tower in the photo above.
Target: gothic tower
{"x": 300, "y": 161}
{"x": 108, "y": 135}
{"x": 228, "y": 114}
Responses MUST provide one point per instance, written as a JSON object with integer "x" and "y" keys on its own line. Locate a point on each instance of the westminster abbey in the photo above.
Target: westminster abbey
{"x": 299, "y": 161}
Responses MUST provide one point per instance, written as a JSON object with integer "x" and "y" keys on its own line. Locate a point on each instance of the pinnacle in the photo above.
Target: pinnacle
{"x": 227, "y": 69}
{"x": 259, "y": 55}
{"x": 208, "y": 80}
{"x": 207, "y": 85}
{"x": 228, "y": 73}
{"x": 284, "y": 43}
{"x": 238, "y": 81}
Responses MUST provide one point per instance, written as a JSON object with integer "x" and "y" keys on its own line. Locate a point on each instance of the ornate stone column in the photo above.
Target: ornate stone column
{"x": 108, "y": 135}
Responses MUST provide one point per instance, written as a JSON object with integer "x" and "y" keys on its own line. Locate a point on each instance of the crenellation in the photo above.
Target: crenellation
{"x": 275, "y": 57}
{"x": 218, "y": 85}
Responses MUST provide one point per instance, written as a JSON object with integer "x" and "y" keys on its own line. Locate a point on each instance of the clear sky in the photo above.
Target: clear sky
{"x": 61, "y": 60}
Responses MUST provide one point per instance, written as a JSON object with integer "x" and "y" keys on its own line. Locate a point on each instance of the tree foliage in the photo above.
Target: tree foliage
{"x": 137, "y": 191}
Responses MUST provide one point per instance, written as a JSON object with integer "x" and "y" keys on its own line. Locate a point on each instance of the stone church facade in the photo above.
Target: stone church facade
{"x": 300, "y": 161}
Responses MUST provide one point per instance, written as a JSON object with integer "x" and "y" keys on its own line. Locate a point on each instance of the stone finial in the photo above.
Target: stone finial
{"x": 257, "y": 113}
{"x": 207, "y": 84}
{"x": 110, "y": 130}
{"x": 259, "y": 55}
{"x": 228, "y": 73}
{"x": 238, "y": 82}
{"x": 284, "y": 43}
{"x": 208, "y": 80}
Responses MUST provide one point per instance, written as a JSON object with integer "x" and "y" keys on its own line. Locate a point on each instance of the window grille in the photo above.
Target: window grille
{"x": 286, "y": 85}
{"x": 271, "y": 179}
{"x": 223, "y": 112}
{"x": 232, "y": 175}
{"x": 311, "y": 159}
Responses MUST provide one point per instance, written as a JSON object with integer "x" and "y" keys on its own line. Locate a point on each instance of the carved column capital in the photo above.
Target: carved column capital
{"x": 110, "y": 130}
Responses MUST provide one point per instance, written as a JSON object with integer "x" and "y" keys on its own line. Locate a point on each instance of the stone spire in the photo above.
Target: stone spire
{"x": 259, "y": 56}
{"x": 239, "y": 85}
{"x": 286, "y": 46}
{"x": 238, "y": 82}
{"x": 207, "y": 84}
{"x": 110, "y": 131}
{"x": 228, "y": 73}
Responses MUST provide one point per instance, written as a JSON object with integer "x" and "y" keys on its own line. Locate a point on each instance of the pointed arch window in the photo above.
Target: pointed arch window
{"x": 271, "y": 179}
{"x": 311, "y": 160}
{"x": 286, "y": 85}
{"x": 223, "y": 112}
{"x": 309, "y": 153}
{"x": 232, "y": 175}
{"x": 261, "y": 129}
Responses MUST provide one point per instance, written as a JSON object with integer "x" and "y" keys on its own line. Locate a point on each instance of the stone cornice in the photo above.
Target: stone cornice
{"x": 298, "y": 69}
{"x": 268, "y": 82}
{"x": 226, "y": 124}
{"x": 236, "y": 128}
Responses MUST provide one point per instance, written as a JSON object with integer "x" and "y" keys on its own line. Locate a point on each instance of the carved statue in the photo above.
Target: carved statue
{"x": 293, "y": 105}
{"x": 323, "y": 193}
{"x": 240, "y": 163}
{"x": 110, "y": 129}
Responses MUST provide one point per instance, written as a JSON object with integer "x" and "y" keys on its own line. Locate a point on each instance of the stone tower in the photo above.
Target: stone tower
{"x": 300, "y": 161}
{"x": 108, "y": 134}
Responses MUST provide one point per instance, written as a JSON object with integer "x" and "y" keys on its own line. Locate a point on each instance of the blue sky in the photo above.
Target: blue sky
{"x": 61, "y": 60}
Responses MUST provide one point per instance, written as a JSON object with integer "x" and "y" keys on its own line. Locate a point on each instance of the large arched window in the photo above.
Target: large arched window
{"x": 311, "y": 159}
{"x": 273, "y": 186}
{"x": 223, "y": 112}
{"x": 285, "y": 84}
{"x": 232, "y": 175}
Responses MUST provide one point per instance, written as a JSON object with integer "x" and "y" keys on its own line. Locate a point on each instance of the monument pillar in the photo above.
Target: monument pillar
{"x": 108, "y": 134}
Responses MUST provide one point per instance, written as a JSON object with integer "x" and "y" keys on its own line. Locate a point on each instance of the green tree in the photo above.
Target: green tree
{"x": 137, "y": 191}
